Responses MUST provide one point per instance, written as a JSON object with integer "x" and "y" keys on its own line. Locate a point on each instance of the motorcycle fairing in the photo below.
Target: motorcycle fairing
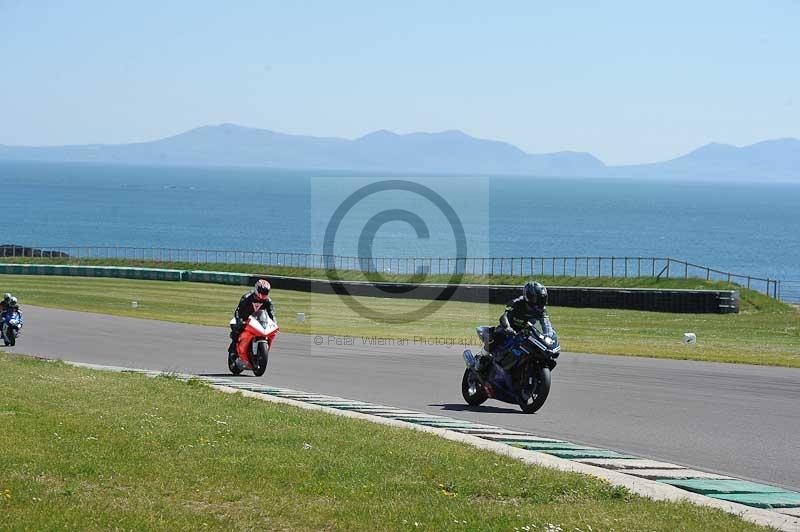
{"x": 254, "y": 328}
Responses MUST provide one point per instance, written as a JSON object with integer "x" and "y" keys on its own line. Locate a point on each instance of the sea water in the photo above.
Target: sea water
{"x": 749, "y": 228}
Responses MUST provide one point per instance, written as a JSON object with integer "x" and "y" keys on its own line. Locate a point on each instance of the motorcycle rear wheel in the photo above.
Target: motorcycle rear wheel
{"x": 471, "y": 389}
{"x": 535, "y": 389}
{"x": 260, "y": 359}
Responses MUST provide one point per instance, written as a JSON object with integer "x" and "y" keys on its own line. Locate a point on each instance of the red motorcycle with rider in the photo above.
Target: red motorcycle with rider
{"x": 253, "y": 331}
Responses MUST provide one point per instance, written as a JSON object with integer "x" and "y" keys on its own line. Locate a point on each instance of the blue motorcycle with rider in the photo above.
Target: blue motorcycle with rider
{"x": 10, "y": 320}
{"x": 517, "y": 357}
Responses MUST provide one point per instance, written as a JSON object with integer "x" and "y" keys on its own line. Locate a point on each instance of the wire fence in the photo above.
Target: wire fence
{"x": 600, "y": 266}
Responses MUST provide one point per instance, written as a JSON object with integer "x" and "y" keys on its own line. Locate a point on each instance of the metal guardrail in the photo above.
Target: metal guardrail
{"x": 599, "y": 266}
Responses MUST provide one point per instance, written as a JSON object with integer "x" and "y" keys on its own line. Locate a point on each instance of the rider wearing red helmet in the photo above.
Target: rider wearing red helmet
{"x": 250, "y": 303}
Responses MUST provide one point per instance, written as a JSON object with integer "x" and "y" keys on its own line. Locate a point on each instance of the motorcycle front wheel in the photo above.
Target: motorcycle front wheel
{"x": 260, "y": 359}
{"x": 471, "y": 388}
{"x": 12, "y": 337}
{"x": 535, "y": 388}
{"x": 232, "y": 366}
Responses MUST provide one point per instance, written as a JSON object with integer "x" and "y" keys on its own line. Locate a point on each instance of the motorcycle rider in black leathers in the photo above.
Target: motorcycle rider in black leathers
{"x": 6, "y": 302}
{"x": 529, "y": 307}
{"x": 250, "y": 303}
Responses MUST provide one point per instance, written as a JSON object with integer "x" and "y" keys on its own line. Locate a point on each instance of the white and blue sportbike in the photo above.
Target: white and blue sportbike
{"x": 10, "y": 326}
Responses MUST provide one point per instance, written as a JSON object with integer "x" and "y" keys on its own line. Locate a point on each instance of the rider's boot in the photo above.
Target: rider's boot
{"x": 483, "y": 363}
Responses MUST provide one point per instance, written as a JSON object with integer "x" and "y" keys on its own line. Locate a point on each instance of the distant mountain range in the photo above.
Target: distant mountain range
{"x": 448, "y": 152}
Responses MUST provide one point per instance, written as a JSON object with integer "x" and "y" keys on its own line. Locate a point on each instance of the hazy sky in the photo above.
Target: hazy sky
{"x": 628, "y": 81}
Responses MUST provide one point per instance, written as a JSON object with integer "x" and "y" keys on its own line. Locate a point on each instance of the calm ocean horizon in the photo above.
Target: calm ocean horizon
{"x": 747, "y": 228}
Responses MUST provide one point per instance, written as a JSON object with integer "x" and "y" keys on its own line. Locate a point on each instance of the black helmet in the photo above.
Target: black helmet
{"x": 535, "y": 294}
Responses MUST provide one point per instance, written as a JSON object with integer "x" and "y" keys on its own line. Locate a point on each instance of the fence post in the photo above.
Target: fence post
{"x": 685, "y": 270}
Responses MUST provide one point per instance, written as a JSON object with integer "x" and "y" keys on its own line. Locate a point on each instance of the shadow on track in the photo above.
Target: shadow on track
{"x": 229, "y": 375}
{"x": 460, "y": 407}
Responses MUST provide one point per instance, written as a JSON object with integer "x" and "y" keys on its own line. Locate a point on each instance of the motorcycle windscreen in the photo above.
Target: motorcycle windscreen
{"x": 545, "y": 328}
{"x": 263, "y": 327}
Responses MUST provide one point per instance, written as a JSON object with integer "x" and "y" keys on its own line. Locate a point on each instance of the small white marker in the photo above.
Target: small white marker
{"x": 689, "y": 338}
{"x": 134, "y": 304}
{"x": 301, "y": 316}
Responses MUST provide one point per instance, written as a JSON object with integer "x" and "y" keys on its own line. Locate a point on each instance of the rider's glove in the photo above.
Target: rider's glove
{"x": 510, "y": 331}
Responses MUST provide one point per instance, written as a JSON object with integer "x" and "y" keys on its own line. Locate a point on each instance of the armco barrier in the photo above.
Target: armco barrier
{"x": 656, "y": 300}
{"x": 220, "y": 277}
{"x": 93, "y": 271}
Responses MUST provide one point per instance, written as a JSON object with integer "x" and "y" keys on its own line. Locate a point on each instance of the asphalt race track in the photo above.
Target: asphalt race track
{"x": 738, "y": 420}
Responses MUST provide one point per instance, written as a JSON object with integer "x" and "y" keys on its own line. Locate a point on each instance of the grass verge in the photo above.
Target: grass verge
{"x": 769, "y": 335}
{"x": 92, "y": 450}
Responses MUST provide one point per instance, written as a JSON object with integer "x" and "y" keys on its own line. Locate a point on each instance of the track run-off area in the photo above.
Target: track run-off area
{"x": 736, "y": 420}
